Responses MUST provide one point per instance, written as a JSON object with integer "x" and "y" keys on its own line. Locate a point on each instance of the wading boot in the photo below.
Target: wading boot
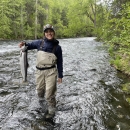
{"x": 50, "y": 112}
{"x": 42, "y": 102}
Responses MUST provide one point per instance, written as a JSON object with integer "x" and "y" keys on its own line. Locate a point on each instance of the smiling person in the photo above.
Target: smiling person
{"x": 49, "y": 67}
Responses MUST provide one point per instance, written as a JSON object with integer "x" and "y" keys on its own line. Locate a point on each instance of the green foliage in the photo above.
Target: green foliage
{"x": 118, "y": 28}
{"x": 128, "y": 100}
{"x": 117, "y": 62}
{"x": 126, "y": 89}
{"x": 71, "y": 18}
{"x": 5, "y": 27}
{"x": 29, "y": 31}
{"x": 116, "y": 32}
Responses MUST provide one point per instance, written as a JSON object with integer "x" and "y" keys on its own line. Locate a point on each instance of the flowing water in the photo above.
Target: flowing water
{"x": 90, "y": 97}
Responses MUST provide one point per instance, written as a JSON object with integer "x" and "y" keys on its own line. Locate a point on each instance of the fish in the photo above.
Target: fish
{"x": 24, "y": 62}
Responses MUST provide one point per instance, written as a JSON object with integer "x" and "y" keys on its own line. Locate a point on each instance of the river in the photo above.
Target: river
{"x": 90, "y": 97}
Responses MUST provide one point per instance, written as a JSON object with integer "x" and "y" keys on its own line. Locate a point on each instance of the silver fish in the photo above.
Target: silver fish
{"x": 24, "y": 63}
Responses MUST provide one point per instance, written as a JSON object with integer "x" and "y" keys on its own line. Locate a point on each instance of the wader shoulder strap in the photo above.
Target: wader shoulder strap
{"x": 42, "y": 44}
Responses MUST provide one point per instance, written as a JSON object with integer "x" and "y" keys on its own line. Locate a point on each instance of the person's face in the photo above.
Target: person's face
{"x": 49, "y": 34}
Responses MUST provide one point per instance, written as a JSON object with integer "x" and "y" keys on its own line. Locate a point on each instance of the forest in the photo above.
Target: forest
{"x": 71, "y": 18}
{"x": 108, "y": 20}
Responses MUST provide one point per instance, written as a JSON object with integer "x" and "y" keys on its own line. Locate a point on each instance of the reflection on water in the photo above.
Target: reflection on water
{"x": 88, "y": 99}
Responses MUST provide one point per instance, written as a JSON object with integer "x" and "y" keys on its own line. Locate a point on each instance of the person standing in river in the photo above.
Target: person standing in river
{"x": 49, "y": 60}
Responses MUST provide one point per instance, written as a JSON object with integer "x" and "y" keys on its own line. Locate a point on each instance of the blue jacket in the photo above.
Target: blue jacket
{"x": 48, "y": 47}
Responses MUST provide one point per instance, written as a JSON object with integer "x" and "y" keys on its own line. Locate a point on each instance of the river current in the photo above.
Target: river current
{"x": 90, "y": 97}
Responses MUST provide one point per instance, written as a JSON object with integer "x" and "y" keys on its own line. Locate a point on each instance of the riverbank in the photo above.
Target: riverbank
{"x": 122, "y": 64}
{"x": 120, "y": 59}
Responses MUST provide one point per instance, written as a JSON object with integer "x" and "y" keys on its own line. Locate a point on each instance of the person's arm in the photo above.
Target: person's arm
{"x": 59, "y": 64}
{"x": 33, "y": 45}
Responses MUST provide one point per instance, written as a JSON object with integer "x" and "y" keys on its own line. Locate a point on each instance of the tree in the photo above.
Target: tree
{"x": 4, "y": 20}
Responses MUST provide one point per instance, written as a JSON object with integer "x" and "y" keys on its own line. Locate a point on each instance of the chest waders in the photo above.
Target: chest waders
{"x": 46, "y": 77}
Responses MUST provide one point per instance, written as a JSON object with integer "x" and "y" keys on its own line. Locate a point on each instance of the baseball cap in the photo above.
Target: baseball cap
{"x": 48, "y": 26}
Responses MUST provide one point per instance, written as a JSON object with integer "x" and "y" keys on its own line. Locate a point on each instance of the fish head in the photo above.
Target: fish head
{"x": 24, "y": 48}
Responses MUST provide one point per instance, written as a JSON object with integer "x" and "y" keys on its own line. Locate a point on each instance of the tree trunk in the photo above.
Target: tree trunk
{"x": 21, "y": 21}
{"x": 36, "y": 20}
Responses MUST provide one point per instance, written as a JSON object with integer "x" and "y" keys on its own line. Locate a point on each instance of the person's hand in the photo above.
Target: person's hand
{"x": 21, "y": 44}
{"x": 59, "y": 80}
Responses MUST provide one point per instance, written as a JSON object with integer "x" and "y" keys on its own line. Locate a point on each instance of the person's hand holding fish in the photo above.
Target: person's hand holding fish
{"x": 22, "y": 44}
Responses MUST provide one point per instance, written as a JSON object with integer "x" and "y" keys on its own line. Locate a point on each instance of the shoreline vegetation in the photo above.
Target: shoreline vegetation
{"x": 108, "y": 21}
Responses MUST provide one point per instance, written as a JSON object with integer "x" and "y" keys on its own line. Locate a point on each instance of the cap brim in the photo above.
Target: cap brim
{"x": 50, "y": 29}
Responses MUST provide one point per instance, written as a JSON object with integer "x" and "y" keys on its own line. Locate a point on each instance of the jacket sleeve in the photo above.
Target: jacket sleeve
{"x": 59, "y": 62}
{"x": 34, "y": 44}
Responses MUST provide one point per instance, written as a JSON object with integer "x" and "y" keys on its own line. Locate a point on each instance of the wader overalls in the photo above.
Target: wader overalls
{"x": 46, "y": 76}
